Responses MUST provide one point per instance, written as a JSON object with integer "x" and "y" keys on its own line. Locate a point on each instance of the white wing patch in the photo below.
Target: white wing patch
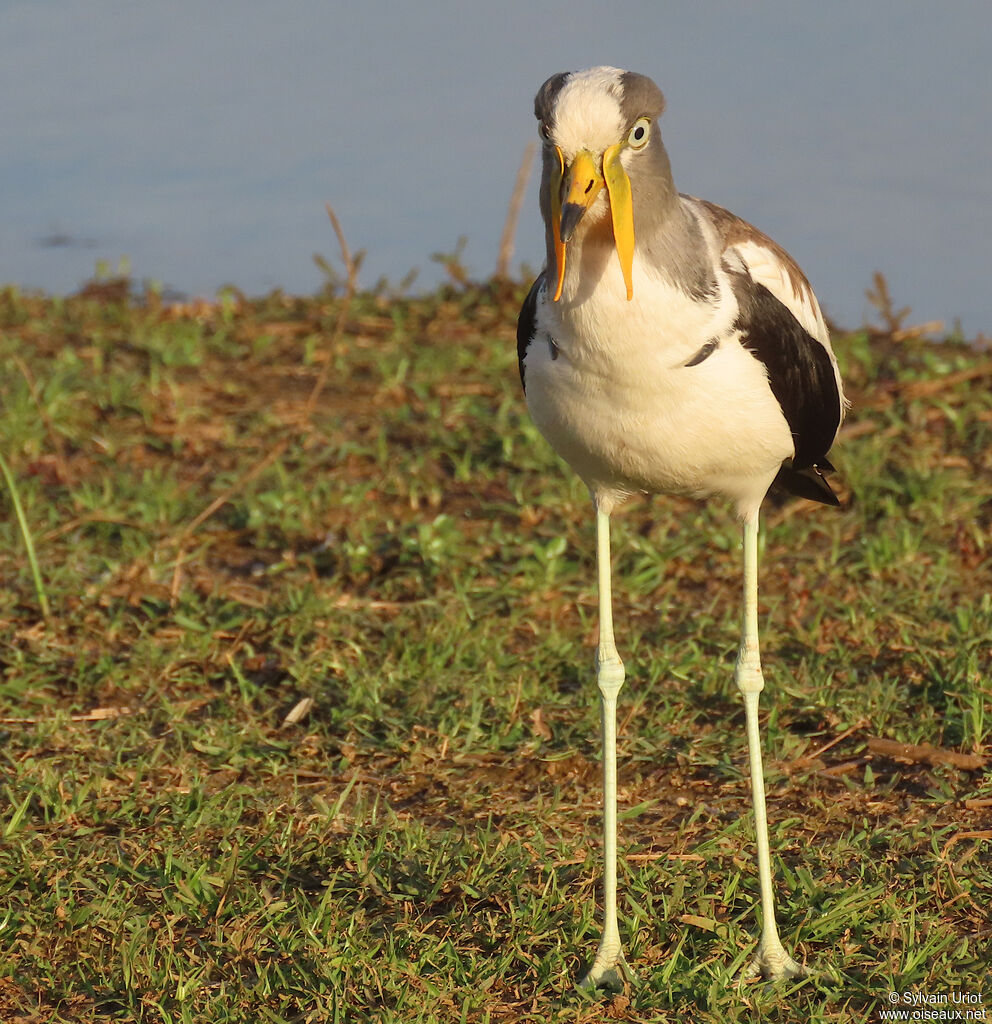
{"x": 766, "y": 268}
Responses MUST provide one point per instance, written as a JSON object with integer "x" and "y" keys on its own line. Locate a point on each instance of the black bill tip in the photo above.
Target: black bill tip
{"x": 571, "y": 214}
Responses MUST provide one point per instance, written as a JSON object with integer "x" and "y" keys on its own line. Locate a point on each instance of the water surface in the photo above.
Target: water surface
{"x": 201, "y": 141}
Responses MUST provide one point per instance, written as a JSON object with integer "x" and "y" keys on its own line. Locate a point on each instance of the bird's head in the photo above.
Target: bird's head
{"x": 598, "y": 127}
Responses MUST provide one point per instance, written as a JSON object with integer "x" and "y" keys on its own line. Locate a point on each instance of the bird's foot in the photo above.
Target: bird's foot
{"x": 609, "y": 971}
{"x": 773, "y": 963}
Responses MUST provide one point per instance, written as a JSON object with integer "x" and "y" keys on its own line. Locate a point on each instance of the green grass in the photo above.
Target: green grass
{"x": 406, "y": 551}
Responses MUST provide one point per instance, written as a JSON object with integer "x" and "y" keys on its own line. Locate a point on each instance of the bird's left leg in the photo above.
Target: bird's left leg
{"x": 771, "y": 959}
{"x": 608, "y": 967}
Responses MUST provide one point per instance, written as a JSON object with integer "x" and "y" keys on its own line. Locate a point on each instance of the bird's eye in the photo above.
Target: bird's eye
{"x": 544, "y": 131}
{"x": 639, "y": 134}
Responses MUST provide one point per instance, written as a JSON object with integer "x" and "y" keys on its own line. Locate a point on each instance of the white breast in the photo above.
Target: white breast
{"x": 615, "y": 399}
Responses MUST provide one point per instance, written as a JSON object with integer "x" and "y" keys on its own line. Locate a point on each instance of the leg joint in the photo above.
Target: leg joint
{"x": 609, "y": 672}
{"x": 747, "y": 672}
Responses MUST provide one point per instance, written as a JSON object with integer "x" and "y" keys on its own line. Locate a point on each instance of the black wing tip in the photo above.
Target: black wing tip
{"x": 800, "y": 371}
{"x": 526, "y": 324}
{"x": 808, "y": 483}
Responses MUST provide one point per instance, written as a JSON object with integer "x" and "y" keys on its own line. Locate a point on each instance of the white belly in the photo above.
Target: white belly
{"x": 617, "y": 402}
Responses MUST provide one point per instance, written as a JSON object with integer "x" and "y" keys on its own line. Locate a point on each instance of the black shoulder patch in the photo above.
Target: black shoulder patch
{"x": 527, "y": 322}
{"x": 800, "y": 373}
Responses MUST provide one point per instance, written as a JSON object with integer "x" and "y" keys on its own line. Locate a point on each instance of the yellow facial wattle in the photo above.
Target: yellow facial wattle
{"x": 557, "y": 174}
{"x": 622, "y": 212}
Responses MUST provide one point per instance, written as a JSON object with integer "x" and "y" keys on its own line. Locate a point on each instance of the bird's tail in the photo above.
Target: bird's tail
{"x": 807, "y": 483}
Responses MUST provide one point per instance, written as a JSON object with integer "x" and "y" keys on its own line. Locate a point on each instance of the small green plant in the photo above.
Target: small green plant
{"x": 22, "y": 522}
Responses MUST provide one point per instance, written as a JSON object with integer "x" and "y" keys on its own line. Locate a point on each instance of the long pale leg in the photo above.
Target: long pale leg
{"x": 771, "y": 959}
{"x": 608, "y": 967}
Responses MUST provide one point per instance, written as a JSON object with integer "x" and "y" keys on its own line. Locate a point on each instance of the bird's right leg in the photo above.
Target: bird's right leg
{"x": 772, "y": 959}
{"x": 608, "y": 967}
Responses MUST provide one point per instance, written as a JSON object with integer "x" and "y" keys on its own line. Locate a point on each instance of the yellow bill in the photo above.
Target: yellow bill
{"x": 581, "y": 184}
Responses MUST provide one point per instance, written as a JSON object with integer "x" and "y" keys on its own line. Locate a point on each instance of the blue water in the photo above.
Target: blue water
{"x": 201, "y": 140}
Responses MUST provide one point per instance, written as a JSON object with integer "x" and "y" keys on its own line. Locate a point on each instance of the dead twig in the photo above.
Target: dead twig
{"x": 506, "y": 242}
{"x": 892, "y": 318}
{"x": 94, "y": 715}
{"x": 925, "y": 753}
{"x": 351, "y": 286}
{"x": 235, "y": 488}
{"x": 979, "y": 835}
{"x": 961, "y": 836}
{"x": 837, "y": 739}
{"x": 881, "y": 299}
{"x": 926, "y": 388}
{"x": 85, "y": 520}
{"x": 837, "y": 770}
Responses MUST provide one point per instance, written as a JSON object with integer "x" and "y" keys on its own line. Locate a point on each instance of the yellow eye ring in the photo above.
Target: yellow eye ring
{"x": 638, "y": 136}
